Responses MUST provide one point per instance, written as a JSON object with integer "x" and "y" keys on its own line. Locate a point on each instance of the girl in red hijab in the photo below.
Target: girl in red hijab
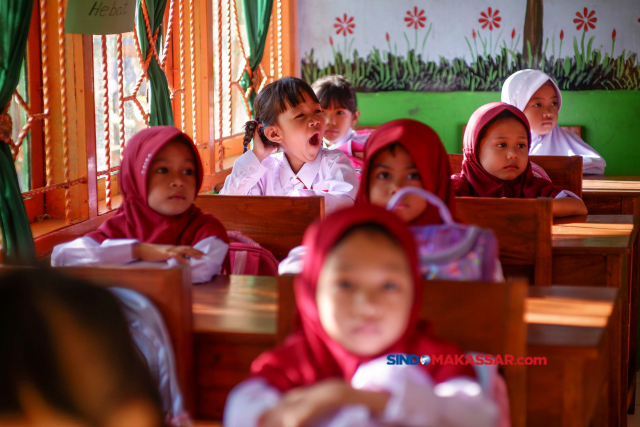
{"x": 358, "y": 298}
{"x": 159, "y": 178}
{"x": 496, "y": 161}
{"x": 406, "y": 153}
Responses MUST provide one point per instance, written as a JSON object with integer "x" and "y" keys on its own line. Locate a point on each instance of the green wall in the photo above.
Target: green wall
{"x": 610, "y": 120}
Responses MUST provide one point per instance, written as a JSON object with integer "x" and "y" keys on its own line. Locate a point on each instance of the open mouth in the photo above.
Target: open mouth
{"x": 314, "y": 140}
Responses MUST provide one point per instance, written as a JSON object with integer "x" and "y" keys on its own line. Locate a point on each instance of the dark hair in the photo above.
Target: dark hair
{"x": 273, "y": 100}
{"x": 506, "y": 114}
{"x": 335, "y": 90}
{"x": 29, "y": 301}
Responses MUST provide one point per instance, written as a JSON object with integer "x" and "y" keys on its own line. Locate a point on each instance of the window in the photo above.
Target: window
{"x": 22, "y": 140}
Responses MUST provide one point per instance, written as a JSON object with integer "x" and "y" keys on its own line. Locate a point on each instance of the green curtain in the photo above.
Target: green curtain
{"x": 160, "y": 112}
{"x": 17, "y": 241}
{"x": 257, "y": 14}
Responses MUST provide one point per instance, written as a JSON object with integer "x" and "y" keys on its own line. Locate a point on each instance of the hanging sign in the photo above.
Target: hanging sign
{"x": 100, "y": 16}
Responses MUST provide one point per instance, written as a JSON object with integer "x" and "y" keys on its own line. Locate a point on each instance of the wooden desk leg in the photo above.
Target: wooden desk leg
{"x": 573, "y": 410}
{"x": 633, "y": 326}
{"x": 617, "y": 397}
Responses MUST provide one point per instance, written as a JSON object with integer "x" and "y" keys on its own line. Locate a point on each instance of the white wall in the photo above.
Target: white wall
{"x": 452, "y": 20}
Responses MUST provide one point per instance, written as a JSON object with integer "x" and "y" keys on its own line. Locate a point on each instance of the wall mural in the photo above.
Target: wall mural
{"x": 460, "y": 45}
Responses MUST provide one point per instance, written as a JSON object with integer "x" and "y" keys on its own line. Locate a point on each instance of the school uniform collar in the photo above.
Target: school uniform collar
{"x": 306, "y": 175}
{"x": 346, "y": 138}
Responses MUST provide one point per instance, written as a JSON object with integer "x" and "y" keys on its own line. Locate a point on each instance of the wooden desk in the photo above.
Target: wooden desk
{"x": 612, "y": 195}
{"x": 574, "y": 327}
{"x": 598, "y": 250}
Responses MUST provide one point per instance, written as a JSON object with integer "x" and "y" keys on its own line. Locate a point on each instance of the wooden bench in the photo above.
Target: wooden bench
{"x": 170, "y": 291}
{"x": 565, "y": 171}
{"x": 276, "y": 223}
{"x": 523, "y": 229}
{"x": 477, "y": 316}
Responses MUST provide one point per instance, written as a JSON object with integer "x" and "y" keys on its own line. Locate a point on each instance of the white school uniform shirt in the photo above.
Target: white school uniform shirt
{"x": 330, "y": 175}
{"x": 84, "y": 251}
{"x": 414, "y": 400}
{"x": 517, "y": 90}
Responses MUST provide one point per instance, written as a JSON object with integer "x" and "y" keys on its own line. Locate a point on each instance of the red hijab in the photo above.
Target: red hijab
{"x": 475, "y": 181}
{"x": 428, "y": 153}
{"x": 310, "y": 355}
{"x": 134, "y": 219}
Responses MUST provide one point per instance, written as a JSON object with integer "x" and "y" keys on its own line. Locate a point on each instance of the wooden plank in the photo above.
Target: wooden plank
{"x": 276, "y": 223}
{"x": 532, "y": 218}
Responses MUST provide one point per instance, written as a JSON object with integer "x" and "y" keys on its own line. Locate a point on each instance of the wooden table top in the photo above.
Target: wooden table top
{"x": 594, "y": 233}
{"x": 563, "y": 320}
{"x": 612, "y": 183}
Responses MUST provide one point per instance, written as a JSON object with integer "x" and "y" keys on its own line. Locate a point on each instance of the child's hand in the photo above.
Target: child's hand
{"x": 301, "y": 406}
{"x": 259, "y": 149}
{"x": 358, "y": 154}
{"x": 155, "y": 253}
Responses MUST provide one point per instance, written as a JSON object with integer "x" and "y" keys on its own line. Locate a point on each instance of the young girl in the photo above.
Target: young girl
{"x": 160, "y": 176}
{"x": 67, "y": 357}
{"x": 496, "y": 161}
{"x": 358, "y": 299}
{"x": 339, "y": 106}
{"x": 289, "y": 117}
{"x": 538, "y": 96}
{"x": 405, "y": 153}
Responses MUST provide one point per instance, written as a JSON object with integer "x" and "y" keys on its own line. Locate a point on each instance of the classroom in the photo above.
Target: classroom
{"x": 298, "y": 213}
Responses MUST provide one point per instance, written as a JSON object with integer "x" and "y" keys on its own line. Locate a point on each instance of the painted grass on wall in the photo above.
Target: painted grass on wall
{"x": 610, "y": 120}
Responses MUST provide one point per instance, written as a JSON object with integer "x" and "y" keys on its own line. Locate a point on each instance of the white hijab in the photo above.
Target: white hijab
{"x": 517, "y": 91}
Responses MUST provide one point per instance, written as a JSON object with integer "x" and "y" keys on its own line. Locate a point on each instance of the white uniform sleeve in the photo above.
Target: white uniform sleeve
{"x": 292, "y": 264}
{"x": 341, "y": 183}
{"x": 566, "y": 193}
{"x": 593, "y": 165}
{"x": 251, "y": 398}
{"x": 245, "y": 176}
{"x": 203, "y": 269}
{"x": 247, "y": 401}
{"x": 415, "y": 401}
{"x": 84, "y": 251}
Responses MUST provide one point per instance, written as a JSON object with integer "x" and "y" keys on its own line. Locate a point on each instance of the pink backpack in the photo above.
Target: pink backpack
{"x": 452, "y": 251}
{"x": 249, "y": 258}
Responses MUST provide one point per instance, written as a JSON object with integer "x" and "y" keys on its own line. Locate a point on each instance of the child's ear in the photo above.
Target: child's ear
{"x": 356, "y": 117}
{"x": 273, "y": 133}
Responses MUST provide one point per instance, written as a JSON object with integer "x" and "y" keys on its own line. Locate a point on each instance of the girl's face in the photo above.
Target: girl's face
{"x": 338, "y": 121}
{"x": 504, "y": 151}
{"x": 171, "y": 181}
{"x": 391, "y": 171}
{"x": 542, "y": 110}
{"x": 299, "y": 131}
{"x": 365, "y": 293}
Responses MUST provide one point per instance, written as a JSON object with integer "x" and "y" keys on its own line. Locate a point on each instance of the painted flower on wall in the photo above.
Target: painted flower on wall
{"x": 344, "y": 25}
{"x": 585, "y": 21}
{"x": 490, "y": 19}
{"x": 416, "y": 18}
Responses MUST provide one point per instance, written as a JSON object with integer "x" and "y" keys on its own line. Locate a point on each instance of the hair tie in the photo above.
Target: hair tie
{"x": 256, "y": 122}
